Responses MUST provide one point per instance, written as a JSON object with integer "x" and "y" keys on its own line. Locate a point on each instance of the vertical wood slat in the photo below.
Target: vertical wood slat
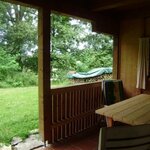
{"x": 74, "y": 109}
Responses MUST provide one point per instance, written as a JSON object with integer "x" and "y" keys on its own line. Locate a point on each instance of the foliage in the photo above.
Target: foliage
{"x": 20, "y": 79}
{"x": 19, "y": 113}
{"x": 18, "y": 45}
{"x": 18, "y": 28}
{"x": 74, "y": 46}
{"x": 8, "y": 65}
{"x": 10, "y": 76}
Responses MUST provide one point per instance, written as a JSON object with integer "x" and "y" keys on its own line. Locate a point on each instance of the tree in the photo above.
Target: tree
{"x": 18, "y": 28}
{"x": 65, "y": 41}
{"x": 8, "y": 65}
{"x": 76, "y": 47}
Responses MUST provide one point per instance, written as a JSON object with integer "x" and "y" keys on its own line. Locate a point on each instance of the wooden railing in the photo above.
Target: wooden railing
{"x": 73, "y": 109}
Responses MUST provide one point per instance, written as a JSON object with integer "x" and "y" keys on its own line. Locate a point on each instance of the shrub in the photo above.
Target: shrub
{"x": 25, "y": 79}
{"x": 20, "y": 79}
{"x": 8, "y": 65}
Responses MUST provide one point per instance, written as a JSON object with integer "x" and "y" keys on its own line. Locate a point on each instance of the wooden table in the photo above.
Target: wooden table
{"x": 132, "y": 111}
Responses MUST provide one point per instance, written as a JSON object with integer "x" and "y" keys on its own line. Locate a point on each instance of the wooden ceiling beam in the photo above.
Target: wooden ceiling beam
{"x": 107, "y": 25}
{"x": 29, "y": 3}
{"x": 110, "y": 4}
{"x": 102, "y": 23}
{"x": 76, "y": 8}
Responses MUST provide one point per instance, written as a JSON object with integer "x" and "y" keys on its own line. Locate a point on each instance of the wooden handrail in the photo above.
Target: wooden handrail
{"x": 73, "y": 109}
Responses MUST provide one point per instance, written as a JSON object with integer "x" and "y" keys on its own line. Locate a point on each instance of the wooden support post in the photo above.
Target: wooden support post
{"x": 44, "y": 74}
{"x": 116, "y": 57}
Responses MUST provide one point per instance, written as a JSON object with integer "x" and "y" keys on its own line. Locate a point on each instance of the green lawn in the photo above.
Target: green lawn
{"x": 18, "y": 112}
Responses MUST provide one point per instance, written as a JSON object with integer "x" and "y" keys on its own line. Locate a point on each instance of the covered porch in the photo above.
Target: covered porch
{"x": 69, "y": 111}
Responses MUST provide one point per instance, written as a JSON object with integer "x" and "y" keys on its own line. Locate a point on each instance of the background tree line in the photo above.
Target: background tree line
{"x": 74, "y": 46}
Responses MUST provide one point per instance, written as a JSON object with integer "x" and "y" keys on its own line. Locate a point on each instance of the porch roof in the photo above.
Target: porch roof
{"x": 93, "y": 8}
{"x": 105, "y": 15}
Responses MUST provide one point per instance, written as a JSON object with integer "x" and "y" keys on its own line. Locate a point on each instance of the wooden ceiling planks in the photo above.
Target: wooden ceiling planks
{"x": 105, "y": 14}
{"x": 101, "y": 5}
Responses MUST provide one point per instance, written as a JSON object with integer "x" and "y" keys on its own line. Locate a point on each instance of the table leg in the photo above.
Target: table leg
{"x": 109, "y": 122}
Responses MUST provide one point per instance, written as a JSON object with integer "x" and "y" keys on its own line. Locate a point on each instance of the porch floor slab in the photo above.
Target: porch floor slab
{"x": 82, "y": 143}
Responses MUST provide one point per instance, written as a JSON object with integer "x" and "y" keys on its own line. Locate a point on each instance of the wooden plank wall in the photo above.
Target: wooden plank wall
{"x": 130, "y": 31}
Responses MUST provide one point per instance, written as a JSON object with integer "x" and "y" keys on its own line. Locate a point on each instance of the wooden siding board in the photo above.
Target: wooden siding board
{"x": 131, "y": 31}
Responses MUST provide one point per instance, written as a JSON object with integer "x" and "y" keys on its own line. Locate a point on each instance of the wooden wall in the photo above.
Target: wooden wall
{"x": 130, "y": 31}
{"x": 147, "y": 30}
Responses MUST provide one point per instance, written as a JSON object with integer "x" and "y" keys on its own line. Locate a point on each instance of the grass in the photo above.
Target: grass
{"x": 18, "y": 112}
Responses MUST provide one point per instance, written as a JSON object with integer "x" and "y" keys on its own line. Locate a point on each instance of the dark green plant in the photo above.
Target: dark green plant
{"x": 8, "y": 65}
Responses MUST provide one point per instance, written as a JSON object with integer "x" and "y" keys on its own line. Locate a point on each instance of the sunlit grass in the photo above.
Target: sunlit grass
{"x": 18, "y": 112}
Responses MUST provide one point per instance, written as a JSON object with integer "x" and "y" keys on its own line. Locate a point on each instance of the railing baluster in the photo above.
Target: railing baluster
{"x": 73, "y": 109}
